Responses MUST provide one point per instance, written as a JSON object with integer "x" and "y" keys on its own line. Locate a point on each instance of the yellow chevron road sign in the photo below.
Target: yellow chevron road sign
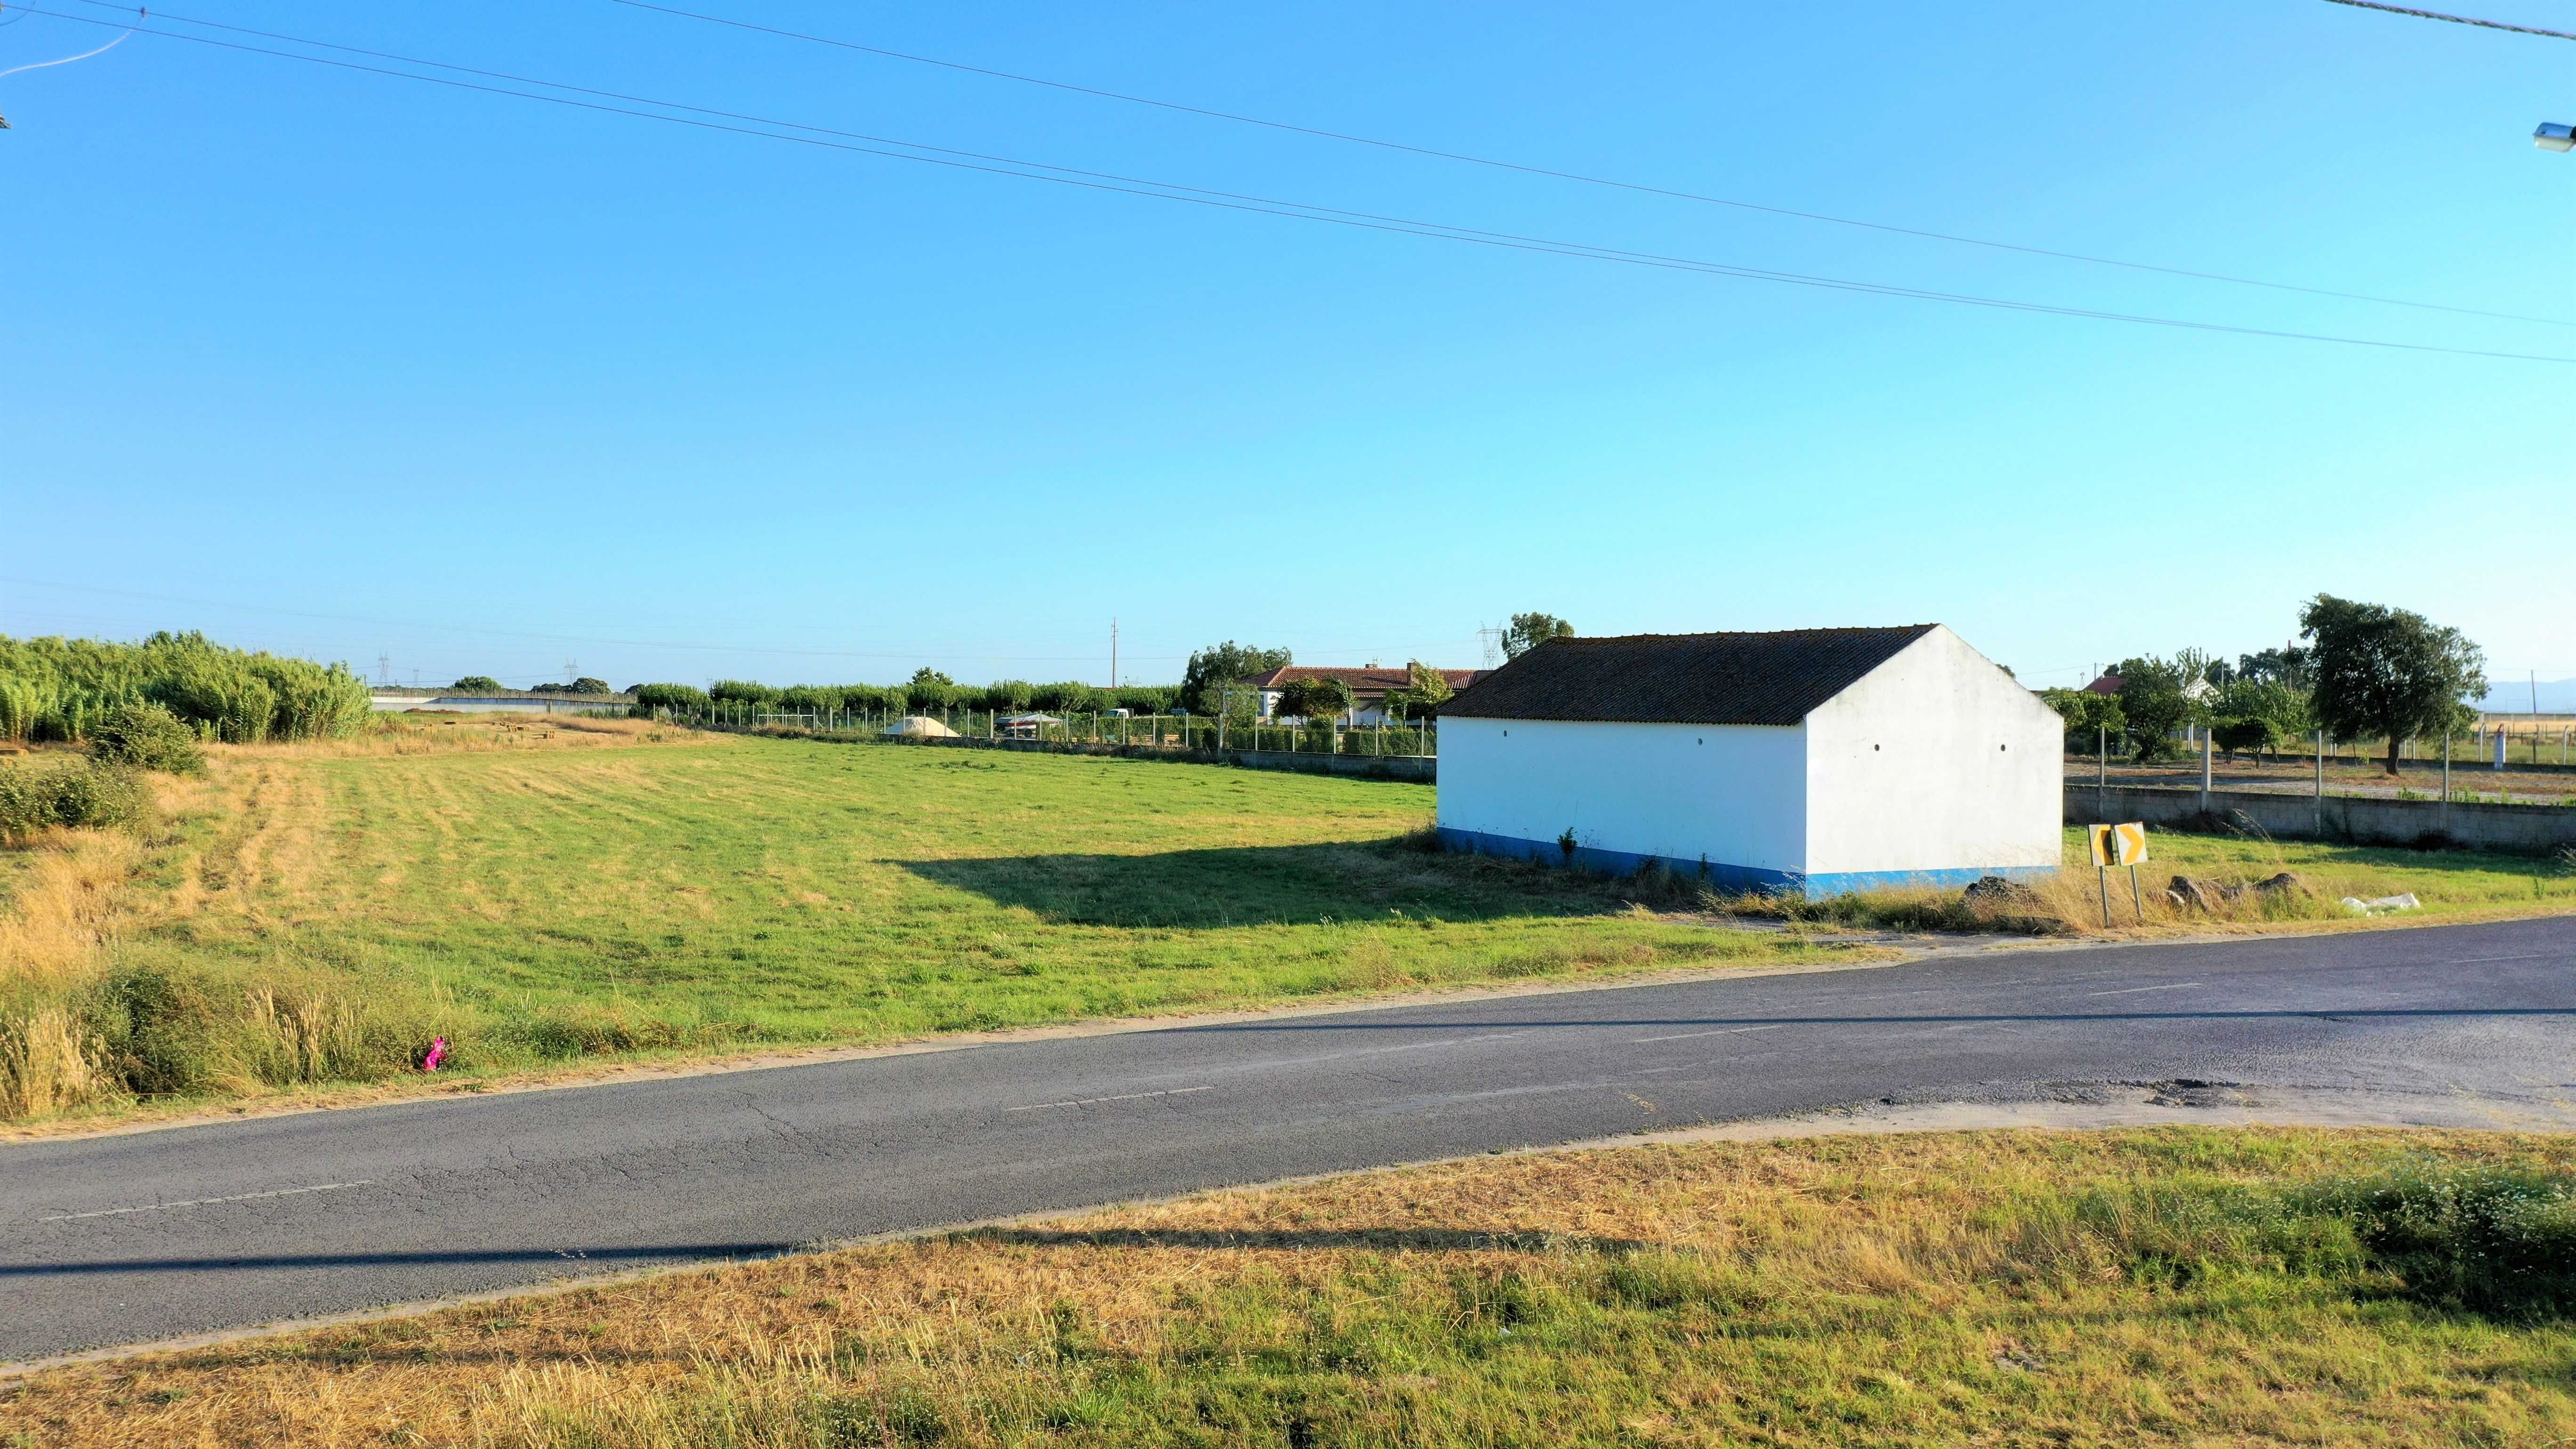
{"x": 2118, "y": 844}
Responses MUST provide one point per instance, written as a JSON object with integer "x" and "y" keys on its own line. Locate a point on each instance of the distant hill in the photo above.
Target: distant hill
{"x": 2557, "y": 696}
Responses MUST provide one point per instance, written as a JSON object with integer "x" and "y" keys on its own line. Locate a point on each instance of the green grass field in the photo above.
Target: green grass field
{"x": 316, "y": 915}
{"x": 543, "y": 904}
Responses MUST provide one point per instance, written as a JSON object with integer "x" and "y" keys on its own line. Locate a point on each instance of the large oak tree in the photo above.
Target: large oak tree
{"x": 2388, "y": 672}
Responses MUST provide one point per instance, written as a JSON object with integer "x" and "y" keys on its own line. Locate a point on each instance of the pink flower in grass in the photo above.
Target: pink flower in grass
{"x": 437, "y": 1054}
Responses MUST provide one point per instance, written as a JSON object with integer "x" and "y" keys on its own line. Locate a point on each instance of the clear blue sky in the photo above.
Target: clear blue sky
{"x": 343, "y": 365}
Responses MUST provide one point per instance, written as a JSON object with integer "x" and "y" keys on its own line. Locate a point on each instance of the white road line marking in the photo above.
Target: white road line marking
{"x": 2133, "y": 990}
{"x": 1415, "y": 1046}
{"x": 203, "y": 1201}
{"x": 1695, "y": 1035}
{"x": 2482, "y": 960}
{"x": 1094, "y": 1101}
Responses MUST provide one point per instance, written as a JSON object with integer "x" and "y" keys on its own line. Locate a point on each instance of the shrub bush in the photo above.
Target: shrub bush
{"x": 479, "y": 682}
{"x": 88, "y": 795}
{"x": 147, "y": 737}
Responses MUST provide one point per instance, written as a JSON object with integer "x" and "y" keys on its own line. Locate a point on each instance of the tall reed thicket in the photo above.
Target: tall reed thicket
{"x": 66, "y": 689}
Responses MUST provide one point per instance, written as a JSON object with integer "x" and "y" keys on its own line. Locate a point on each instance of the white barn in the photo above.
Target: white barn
{"x": 1812, "y": 760}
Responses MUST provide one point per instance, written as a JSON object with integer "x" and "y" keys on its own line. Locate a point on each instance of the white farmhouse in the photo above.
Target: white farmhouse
{"x": 1813, "y": 760}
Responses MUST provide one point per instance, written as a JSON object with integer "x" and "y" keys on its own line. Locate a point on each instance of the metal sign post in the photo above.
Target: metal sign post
{"x": 2119, "y": 845}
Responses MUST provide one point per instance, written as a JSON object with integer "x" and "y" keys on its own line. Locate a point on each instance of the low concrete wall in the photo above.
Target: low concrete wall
{"x": 1415, "y": 769}
{"x": 2357, "y": 819}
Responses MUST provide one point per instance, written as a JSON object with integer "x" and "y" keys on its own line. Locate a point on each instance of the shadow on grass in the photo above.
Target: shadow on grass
{"x": 1384, "y": 1240}
{"x": 1272, "y": 885}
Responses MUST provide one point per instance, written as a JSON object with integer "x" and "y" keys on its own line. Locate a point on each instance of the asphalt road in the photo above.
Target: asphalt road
{"x": 152, "y": 1235}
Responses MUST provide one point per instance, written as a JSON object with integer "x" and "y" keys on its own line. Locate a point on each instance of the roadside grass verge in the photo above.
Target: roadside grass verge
{"x": 2458, "y": 885}
{"x": 2164, "y": 1286}
{"x": 546, "y": 892}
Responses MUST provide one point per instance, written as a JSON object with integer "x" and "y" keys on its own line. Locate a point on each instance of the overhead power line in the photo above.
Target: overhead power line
{"x": 1608, "y": 181}
{"x": 2403, "y": 10}
{"x": 989, "y": 164}
{"x": 1092, "y": 656}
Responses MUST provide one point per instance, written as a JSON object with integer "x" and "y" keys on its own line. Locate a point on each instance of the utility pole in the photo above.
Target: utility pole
{"x": 385, "y": 669}
{"x": 1113, "y": 651}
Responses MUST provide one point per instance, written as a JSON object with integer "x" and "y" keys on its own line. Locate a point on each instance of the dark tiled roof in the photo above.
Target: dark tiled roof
{"x": 1360, "y": 681}
{"x": 1753, "y": 679}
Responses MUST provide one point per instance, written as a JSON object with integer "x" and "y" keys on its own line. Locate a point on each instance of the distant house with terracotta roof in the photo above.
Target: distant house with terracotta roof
{"x": 1369, "y": 687}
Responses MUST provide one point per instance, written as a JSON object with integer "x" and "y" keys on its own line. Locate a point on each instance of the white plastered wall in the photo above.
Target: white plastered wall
{"x": 1730, "y": 794}
{"x": 1936, "y": 760}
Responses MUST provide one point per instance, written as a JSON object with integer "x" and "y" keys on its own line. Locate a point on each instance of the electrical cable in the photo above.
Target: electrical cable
{"x": 1306, "y": 211}
{"x": 1591, "y": 180}
{"x": 2418, "y": 14}
{"x": 1092, "y": 656}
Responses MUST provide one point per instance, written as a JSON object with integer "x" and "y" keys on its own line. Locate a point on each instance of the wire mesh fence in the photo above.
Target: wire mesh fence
{"x": 1377, "y": 739}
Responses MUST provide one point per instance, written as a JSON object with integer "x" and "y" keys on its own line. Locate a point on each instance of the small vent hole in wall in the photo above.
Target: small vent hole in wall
{"x": 1873, "y": 748}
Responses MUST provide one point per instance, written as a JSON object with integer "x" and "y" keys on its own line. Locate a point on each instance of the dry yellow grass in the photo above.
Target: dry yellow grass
{"x": 1935, "y": 1289}
{"x": 246, "y": 844}
{"x": 64, "y": 899}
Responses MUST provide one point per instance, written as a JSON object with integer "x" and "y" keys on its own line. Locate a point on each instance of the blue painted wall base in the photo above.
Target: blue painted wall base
{"x": 1724, "y": 877}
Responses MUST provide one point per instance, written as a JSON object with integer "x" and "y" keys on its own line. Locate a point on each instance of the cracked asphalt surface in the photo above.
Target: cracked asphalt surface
{"x": 152, "y": 1235}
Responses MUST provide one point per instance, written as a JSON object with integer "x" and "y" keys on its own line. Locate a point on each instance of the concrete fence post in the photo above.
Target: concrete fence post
{"x": 2321, "y": 784}
{"x": 2102, "y": 776}
{"x": 2205, "y": 760}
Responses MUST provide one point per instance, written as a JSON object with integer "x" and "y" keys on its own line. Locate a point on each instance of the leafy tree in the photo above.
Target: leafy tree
{"x": 2288, "y": 665}
{"x": 871, "y": 698}
{"x": 1065, "y": 695}
{"x": 819, "y": 698}
{"x": 2251, "y": 734}
{"x": 2388, "y": 672}
{"x": 1528, "y": 631}
{"x": 928, "y": 689}
{"x": 1425, "y": 690}
{"x": 742, "y": 691}
{"x": 2156, "y": 695}
{"x": 2282, "y": 711}
{"x": 677, "y": 698}
{"x": 477, "y": 682}
{"x": 1211, "y": 669}
{"x": 588, "y": 685}
{"x": 2087, "y": 716}
{"x": 1313, "y": 699}
{"x": 1009, "y": 696}
{"x": 1145, "y": 698}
